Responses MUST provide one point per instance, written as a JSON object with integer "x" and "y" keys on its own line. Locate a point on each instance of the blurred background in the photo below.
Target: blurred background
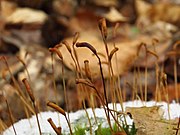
{"x": 29, "y": 27}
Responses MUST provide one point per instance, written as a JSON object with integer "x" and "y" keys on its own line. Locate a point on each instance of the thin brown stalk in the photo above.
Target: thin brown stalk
{"x": 140, "y": 83}
{"x": 28, "y": 88}
{"x": 56, "y": 129}
{"x": 178, "y": 126}
{"x": 60, "y": 110}
{"x": 67, "y": 46}
{"x": 56, "y": 107}
{"x": 157, "y": 70}
{"x": 10, "y": 115}
{"x": 103, "y": 27}
{"x": 91, "y": 97}
{"x": 57, "y": 52}
{"x": 175, "y": 72}
{"x": 89, "y": 121}
{"x": 27, "y": 115}
{"x": 112, "y": 53}
{"x": 54, "y": 82}
{"x": 3, "y": 126}
{"x": 93, "y": 106}
{"x": 117, "y": 84}
{"x": 76, "y": 36}
{"x": 88, "y": 83}
{"x": 104, "y": 33}
{"x": 87, "y": 70}
{"x": 146, "y": 73}
{"x": 164, "y": 87}
{"x": 18, "y": 89}
{"x": 87, "y": 45}
{"x": 65, "y": 91}
{"x": 79, "y": 71}
{"x": 27, "y": 72}
{"x": 25, "y": 66}
{"x": 31, "y": 95}
{"x": 64, "y": 85}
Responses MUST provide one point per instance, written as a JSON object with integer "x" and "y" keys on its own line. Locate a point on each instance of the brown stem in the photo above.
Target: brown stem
{"x": 57, "y": 130}
{"x": 28, "y": 89}
{"x": 10, "y": 115}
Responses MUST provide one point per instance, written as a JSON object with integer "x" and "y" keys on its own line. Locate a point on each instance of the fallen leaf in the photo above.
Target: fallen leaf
{"x": 148, "y": 13}
{"x": 105, "y": 3}
{"x": 149, "y": 121}
{"x": 65, "y": 8}
{"x": 7, "y": 8}
{"x": 115, "y": 16}
{"x": 125, "y": 55}
{"x": 26, "y": 15}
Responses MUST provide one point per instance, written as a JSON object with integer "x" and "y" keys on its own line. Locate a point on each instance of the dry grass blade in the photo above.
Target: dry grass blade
{"x": 57, "y": 130}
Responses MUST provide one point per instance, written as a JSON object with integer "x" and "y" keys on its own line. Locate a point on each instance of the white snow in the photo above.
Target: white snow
{"x": 29, "y": 127}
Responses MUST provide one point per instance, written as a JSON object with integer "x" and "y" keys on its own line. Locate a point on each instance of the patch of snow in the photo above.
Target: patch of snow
{"x": 30, "y": 127}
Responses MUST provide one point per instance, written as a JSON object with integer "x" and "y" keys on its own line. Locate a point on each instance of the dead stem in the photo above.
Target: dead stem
{"x": 65, "y": 91}
{"x": 56, "y": 129}
{"x": 27, "y": 72}
{"x": 3, "y": 126}
{"x": 31, "y": 95}
{"x": 117, "y": 84}
{"x": 64, "y": 85}
{"x": 163, "y": 83}
{"x": 60, "y": 110}
{"x": 85, "y": 109}
{"x": 18, "y": 89}
{"x": 85, "y": 44}
{"x": 175, "y": 72}
{"x": 91, "y": 96}
{"x": 25, "y": 66}
{"x": 140, "y": 84}
{"x": 88, "y": 83}
{"x": 10, "y": 114}
{"x": 178, "y": 126}
{"x": 157, "y": 72}
{"x": 146, "y": 73}
{"x": 104, "y": 33}
{"x": 54, "y": 83}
